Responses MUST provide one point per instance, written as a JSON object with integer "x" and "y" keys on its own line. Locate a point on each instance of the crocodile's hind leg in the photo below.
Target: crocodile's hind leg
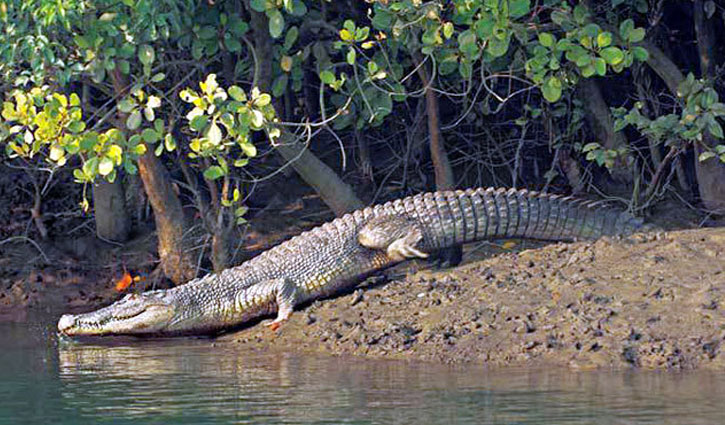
{"x": 285, "y": 294}
{"x": 397, "y": 236}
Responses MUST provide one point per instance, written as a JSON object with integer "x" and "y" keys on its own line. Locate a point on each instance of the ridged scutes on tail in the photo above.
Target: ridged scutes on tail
{"x": 448, "y": 218}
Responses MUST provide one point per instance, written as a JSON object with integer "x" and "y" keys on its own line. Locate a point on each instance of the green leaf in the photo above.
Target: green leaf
{"x": 591, "y": 146}
{"x": 240, "y": 211}
{"x": 263, "y": 100}
{"x": 705, "y": 156}
{"x": 227, "y": 120}
{"x": 546, "y": 39}
{"x": 238, "y": 27}
{"x": 552, "y": 89}
{"x": 237, "y": 94}
{"x": 361, "y": 34}
{"x": 207, "y": 32}
{"x": 291, "y": 37}
{"x": 115, "y": 153}
{"x": 198, "y": 123}
{"x": 600, "y": 65}
{"x": 467, "y": 43}
{"x": 298, "y": 8}
{"x": 383, "y": 19}
{"x": 214, "y": 134}
{"x": 588, "y": 71}
{"x": 157, "y": 78}
{"x": 213, "y": 172}
{"x": 123, "y": 66}
{"x": 346, "y": 35}
{"x": 581, "y": 14}
{"x": 276, "y": 23}
{"x": 56, "y": 153}
{"x": 134, "y": 120}
{"x": 604, "y": 39}
{"x": 146, "y": 54}
{"x": 286, "y": 63}
{"x": 169, "y": 142}
{"x": 258, "y": 5}
{"x": 625, "y": 28}
{"x": 148, "y": 112}
{"x": 88, "y": 141}
{"x": 249, "y": 149}
{"x": 327, "y": 77}
{"x": 498, "y": 47}
{"x": 150, "y": 135}
{"x": 613, "y": 55}
{"x": 280, "y": 85}
{"x": 519, "y": 8}
{"x": 583, "y": 61}
{"x": 232, "y": 44}
{"x": 448, "y": 30}
{"x": 79, "y": 175}
{"x": 636, "y": 35}
{"x": 105, "y": 166}
{"x": 715, "y": 129}
{"x": 483, "y": 28}
{"x": 351, "y": 55}
{"x": 81, "y": 42}
{"x": 90, "y": 167}
{"x": 126, "y": 105}
{"x": 640, "y": 53}
{"x": 257, "y": 119}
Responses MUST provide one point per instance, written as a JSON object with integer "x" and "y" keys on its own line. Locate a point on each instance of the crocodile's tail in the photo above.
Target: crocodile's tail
{"x": 451, "y": 217}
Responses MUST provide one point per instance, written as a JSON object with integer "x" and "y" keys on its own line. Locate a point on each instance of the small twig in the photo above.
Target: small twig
{"x": 26, "y": 239}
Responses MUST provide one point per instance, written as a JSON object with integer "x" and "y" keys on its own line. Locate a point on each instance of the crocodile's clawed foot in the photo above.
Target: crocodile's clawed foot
{"x": 403, "y": 249}
{"x": 275, "y": 325}
{"x": 398, "y": 236}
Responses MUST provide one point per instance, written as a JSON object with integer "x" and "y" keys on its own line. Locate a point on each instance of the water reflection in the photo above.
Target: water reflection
{"x": 192, "y": 381}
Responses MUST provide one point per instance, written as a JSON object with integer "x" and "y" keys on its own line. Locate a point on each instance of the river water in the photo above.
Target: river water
{"x": 178, "y": 381}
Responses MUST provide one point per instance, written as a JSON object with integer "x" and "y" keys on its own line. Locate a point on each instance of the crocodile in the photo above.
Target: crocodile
{"x": 337, "y": 255}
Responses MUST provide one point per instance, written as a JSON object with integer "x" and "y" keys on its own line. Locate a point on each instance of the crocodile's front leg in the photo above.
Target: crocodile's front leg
{"x": 286, "y": 297}
{"x": 396, "y": 235}
{"x": 281, "y": 292}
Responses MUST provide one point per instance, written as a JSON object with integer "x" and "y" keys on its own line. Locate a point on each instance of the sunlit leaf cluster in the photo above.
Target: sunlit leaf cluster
{"x": 223, "y": 120}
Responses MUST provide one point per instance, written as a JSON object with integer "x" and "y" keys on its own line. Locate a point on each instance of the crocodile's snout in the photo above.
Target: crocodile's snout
{"x": 66, "y": 321}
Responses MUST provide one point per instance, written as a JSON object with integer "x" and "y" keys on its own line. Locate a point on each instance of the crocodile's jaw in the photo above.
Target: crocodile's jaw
{"x": 133, "y": 315}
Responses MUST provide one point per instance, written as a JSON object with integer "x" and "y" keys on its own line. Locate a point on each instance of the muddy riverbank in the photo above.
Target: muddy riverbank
{"x": 650, "y": 301}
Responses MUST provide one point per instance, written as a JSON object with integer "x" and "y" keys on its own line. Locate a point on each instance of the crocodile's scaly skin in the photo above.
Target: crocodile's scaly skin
{"x": 331, "y": 257}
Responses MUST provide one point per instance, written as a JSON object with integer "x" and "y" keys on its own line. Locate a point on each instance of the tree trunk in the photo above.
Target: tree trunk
{"x": 711, "y": 172}
{"x": 441, "y": 164}
{"x": 175, "y": 261}
{"x": 219, "y": 251}
{"x": 337, "y": 194}
{"x": 601, "y": 121}
{"x": 663, "y": 66}
{"x": 111, "y": 215}
{"x": 442, "y": 169}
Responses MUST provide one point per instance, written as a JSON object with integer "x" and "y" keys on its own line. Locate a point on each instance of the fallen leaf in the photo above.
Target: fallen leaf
{"x": 124, "y": 282}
